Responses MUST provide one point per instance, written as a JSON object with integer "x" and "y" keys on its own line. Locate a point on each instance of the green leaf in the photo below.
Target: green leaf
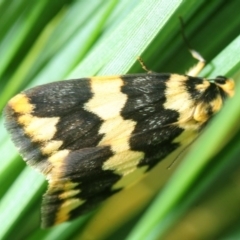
{"x": 76, "y": 39}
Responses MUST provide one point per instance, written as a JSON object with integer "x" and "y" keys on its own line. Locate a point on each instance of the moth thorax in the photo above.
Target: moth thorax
{"x": 204, "y": 110}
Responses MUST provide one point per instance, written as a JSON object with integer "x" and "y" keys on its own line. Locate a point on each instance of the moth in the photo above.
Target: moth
{"x": 89, "y": 135}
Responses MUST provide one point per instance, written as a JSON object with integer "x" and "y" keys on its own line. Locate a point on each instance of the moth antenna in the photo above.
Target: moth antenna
{"x": 196, "y": 69}
{"x": 179, "y": 155}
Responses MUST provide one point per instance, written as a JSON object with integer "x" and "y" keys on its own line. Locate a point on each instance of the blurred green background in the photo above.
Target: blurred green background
{"x": 45, "y": 41}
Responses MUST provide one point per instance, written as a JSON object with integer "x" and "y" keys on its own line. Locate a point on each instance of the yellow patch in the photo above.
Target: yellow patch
{"x": 69, "y": 185}
{"x": 216, "y": 104}
{"x": 58, "y": 157}
{"x": 118, "y": 137}
{"x": 51, "y": 147}
{"x": 39, "y": 129}
{"x": 111, "y": 124}
{"x": 124, "y": 162}
{"x": 178, "y": 99}
{"x": 106, "y": 85}
{"x": 57, "y": 161}
{"x": 107, "y": 100}
{"x": 20, "y": 104}
{"x": 202, "y": 87}
{"x": 68, "y": 194}
{"x": 62, "y": 185}
{"x": 64, "y": 210}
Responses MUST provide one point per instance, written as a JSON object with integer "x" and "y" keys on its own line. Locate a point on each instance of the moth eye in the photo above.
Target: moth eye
{"x": 220, "y": 79}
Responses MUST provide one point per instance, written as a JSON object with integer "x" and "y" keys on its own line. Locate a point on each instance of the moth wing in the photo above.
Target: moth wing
{"x": 87, "y": 135}
{"x": 77, "y": 185}
{"x": 51, "y": 118}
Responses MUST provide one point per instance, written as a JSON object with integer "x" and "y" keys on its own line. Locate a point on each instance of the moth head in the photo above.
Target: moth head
{"x": 226, "y": 84}
{"x": 206, "y": 107}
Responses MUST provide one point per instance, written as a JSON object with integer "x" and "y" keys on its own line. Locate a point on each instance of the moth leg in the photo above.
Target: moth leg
{"x": 143, "y": 65}
{"x": 196, "y": 69}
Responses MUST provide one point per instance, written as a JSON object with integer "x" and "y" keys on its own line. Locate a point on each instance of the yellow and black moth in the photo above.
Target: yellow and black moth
{"x": 88, "y": 135}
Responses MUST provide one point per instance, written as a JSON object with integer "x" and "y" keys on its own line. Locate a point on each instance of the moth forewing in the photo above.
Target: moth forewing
{"x": 90, "y": 136}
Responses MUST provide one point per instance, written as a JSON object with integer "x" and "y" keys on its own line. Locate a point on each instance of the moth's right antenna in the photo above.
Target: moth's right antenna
{"x": 195, "y": 70}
